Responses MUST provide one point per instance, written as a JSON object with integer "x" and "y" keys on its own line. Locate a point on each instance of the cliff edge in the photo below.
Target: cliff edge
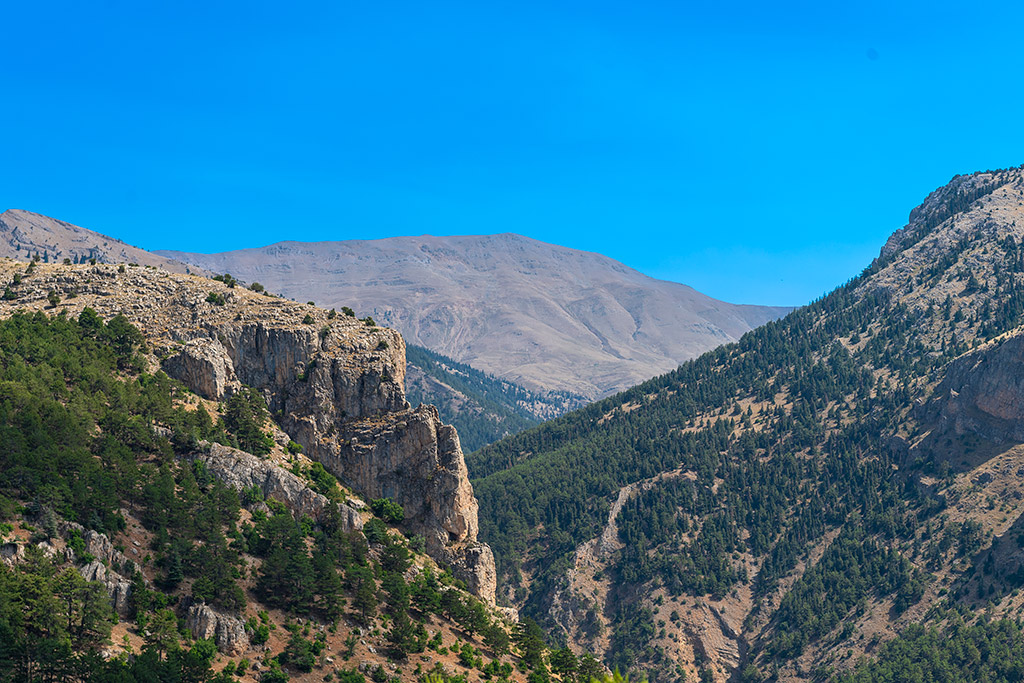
{"x": 333, "y": 383}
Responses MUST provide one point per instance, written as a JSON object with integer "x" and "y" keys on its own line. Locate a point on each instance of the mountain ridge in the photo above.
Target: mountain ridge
{"x": 57, "y": 240}
{"x": 784, "y": 503}
{"x": 541, "y": 315}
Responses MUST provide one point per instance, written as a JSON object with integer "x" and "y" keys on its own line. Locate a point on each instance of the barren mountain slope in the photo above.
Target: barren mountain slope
{"x": 540, "y": 315}
{"x": 24, "y": 234}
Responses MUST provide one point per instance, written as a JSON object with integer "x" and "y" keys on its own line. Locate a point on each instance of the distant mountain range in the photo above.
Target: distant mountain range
{"x": 525, "y": 330}
{"x": 543, "y": 316}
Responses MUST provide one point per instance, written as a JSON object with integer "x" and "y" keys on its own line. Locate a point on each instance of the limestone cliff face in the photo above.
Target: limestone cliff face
{"x": 204, "y": 366}
{"x": 414, "y": 459}
{"x": 333, "y": 383}
{"x": 983, "y": 392}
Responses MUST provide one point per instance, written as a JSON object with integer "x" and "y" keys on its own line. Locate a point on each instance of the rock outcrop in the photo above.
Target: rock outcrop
{"x": 105, "y": 565}
{"x": 983, "y": 392}
{"x": 334, "y": 384}
{"x": 205, "y": 367}
{"x": 226, "y": 631}
{"x": 11, "y": 553}
{"x": 414, "y": 459}
{"x": 118, "y": 587}
{"x": 108, "y": 565}
{"x": 241, "y": 470}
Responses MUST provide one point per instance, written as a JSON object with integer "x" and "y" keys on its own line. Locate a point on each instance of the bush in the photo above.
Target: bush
{"x": 388, "y": 510}
{"x": 274, "y": 674}
{"x": 215, "y": 298}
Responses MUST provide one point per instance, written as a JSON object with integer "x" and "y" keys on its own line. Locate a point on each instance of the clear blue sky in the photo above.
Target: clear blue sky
{"x": 761, "y": 152}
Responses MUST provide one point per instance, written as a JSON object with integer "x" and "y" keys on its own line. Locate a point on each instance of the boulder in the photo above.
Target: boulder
{"x": 226, "y": 631}
{"x": 204, "y": 366}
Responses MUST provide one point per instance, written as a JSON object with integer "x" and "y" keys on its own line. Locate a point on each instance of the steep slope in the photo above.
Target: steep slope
{"x": 24, "y": 234}
{"x": 539, "y": 315}
{"x": 785, "y": 504}
{"x": 335, "y": 385}
{"x": 482, "y": 408}
{"x": 136, "y": 540}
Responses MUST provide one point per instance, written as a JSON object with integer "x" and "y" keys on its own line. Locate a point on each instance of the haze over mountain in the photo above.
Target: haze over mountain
{"x": 23, "y": 234}
{"x": 544, "y": 316}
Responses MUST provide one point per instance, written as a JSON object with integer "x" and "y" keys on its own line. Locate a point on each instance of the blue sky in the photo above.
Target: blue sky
{"x": 760, "y": 152}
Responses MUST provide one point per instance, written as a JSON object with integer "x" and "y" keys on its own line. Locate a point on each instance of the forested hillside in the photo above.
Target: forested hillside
{"x": 148, "y": 533}
{"x": 482, "y": 408}
{"x": 782, "y": 504}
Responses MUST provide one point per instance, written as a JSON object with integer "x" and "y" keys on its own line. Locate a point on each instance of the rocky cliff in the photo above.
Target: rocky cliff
{"x": 414, "y": 459}
{"x": 983, "y": 392}
{"x": 333, "y": 383}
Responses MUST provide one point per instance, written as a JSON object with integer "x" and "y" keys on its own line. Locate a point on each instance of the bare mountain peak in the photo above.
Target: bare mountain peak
{"x": 541, "y": 315}
{"x": 944, "y": 204}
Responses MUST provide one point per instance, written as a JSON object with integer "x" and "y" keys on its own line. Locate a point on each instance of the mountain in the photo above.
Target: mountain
{"x": 539, "y": 315}
{"x": 24, "y": 234}
{"x": 199, "y": 482}
{"x": 483, "y": 408}
{"x": 839, "y": 494}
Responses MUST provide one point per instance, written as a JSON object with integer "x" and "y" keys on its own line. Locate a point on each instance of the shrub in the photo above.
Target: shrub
{"x": 388, "y": 510}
